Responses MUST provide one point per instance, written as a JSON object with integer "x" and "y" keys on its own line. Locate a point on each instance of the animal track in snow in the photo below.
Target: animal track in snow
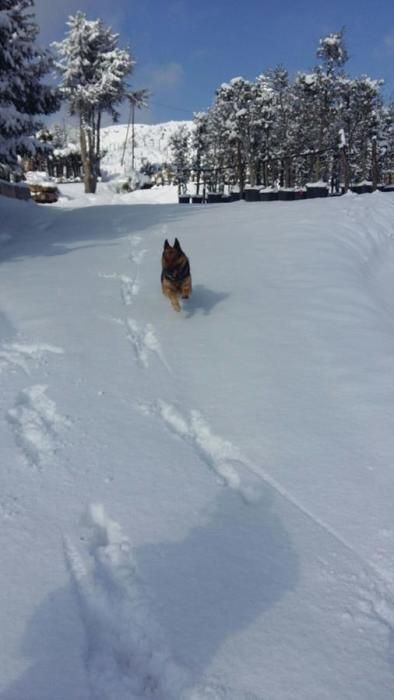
{"x": 135, "y": 240}
{"x": 129, "y": 289}
{"x": 129, "y": 286}
{"x": 36, "y": 424}
{"x": 126, "y": 652}
{"x": 145, "y": 342}
{"x": 376, "y": 601}
{"x": 127, "y": 655}
{"x": 137, "y": 256}
{"x": 9, "y": 506}
{"x": 218, "y": 454}
{"x": 18, "y": 355}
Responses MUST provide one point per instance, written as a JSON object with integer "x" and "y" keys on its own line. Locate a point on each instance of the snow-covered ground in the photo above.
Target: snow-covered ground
{"x": 197, "y": 506}
{"x": 151, "y": 144}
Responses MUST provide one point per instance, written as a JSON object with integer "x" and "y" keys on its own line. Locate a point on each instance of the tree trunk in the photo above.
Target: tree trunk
{"x": 375, "y": 164}
{"x": 88, "y": 156}
{"x": 317, "y": 168}
{"x": 198, "y": 172}
{"x": 345, "y": 168}
{"x": 98, "y": 144}
{"x": 240, "y": 170}
{"x": 287, "y": 172}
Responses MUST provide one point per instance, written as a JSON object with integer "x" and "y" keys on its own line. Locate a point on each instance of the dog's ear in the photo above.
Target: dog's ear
{"x": 166, "y": 244}
{"x": 177, "y": 245}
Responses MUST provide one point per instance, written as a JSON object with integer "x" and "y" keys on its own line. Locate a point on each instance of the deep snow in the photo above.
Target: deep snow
{"x": 199, "y": 505}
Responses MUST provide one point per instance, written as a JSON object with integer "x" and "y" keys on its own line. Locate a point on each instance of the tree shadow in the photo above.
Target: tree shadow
{"x": 54, "y": 643}
{"x": 203, "y": 300}
{"x": 230, "y": 569}
{"x": 58, "y": 231}
{"x": 217, "y": 581}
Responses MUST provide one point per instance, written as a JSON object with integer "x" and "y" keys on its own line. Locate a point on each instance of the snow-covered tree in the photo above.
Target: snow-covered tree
{"x": 23, "y": 96}
{"x": 93, "y": 71}
{"x": 321, "y": 126}
{"x": 360, "y": 119}
{"x": 232, "y": 120}
{"x": 333, "y": 52}
{"x": 200, "y": 145}
{"x": 282, "y": 138}
{"x": 180, "y": 163}
{"x": 262, "y": 130}
{"x": 386, "y": 141}
{"x": 320, "y": 112}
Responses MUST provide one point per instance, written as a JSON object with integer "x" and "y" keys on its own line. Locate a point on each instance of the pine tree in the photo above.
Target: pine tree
{"x": 386, "y": 142}
{"x": 93, "y": 72}
{"x": 282, "y": 133}
{"x": 232, "y": 115}
{"x": 361, "y": 123}
{"x": 23, "y": 97}
{"x": 180, "y": 163}
{"x": 200, "y": 144}
{"x": 323, "y": 125}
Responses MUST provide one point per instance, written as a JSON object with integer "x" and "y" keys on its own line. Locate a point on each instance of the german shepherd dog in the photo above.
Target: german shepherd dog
{"x": 176, "y": 280}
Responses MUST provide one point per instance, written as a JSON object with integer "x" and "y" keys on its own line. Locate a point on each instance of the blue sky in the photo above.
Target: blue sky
{"x": 186, "y": 48}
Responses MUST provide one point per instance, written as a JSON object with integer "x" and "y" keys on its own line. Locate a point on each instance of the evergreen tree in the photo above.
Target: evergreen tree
{"x": 180, "y": 163}
{"x": 365, "y": 106}
{"x": 232, "y": 118}
{"x": 23, "y": 97}
{"x": 200, "y": 144}
{"x": 282, "y": 132}
{"x": 262, "y": 129}
{"x": 93, "y": 72}
{"x": 325, "y": 110}
{"x": 322, "y": 126}
{"x": 386, "y": 142}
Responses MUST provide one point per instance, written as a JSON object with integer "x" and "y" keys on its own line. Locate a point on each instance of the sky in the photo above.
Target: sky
{"x": 185, "y": 49}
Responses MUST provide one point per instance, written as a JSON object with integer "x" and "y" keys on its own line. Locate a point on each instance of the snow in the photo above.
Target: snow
{"x": 342, "y": 138}
{"x": 38, "y": 177}
{"x": 197, "y": 506}
{"x": 151, "y": 142}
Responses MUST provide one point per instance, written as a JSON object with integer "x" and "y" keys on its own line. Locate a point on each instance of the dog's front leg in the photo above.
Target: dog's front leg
{"x": 186, "y": 288}
{"x": 174, "y": 301}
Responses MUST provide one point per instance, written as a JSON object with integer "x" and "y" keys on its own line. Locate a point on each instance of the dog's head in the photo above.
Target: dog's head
{"x": 171, "y": 254}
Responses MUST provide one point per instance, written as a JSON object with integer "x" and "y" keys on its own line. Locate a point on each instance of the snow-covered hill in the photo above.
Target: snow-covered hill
{"x": 197, "y": 506}
{"x": 151, "y": 145}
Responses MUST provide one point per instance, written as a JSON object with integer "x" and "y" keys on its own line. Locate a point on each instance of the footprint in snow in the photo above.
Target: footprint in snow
{"x": 145, "y": 342}
{"x": 10, "y": 507}
{"x": 223, "y": 458}
{"x": 127, "y": 655}
{"x": 138, "y": 256}
{"x": 19, "y": 355}
{"x": 129, "y": 289}
{"x": 37, "y": 424}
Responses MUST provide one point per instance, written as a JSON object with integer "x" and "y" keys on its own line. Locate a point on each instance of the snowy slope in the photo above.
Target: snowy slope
{"x": 197, "y": 506}
{"x": 151, "y": 144}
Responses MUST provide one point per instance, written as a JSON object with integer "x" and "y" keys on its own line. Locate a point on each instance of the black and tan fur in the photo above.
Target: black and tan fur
{"x": 176, "y": 279}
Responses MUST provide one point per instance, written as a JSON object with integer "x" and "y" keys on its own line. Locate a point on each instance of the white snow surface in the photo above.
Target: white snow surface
{"x": 197, "y": 506}
{"x": 151, "y": 144}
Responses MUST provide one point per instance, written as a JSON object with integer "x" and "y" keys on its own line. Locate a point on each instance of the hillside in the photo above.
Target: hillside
{"x": 151, "y": 145}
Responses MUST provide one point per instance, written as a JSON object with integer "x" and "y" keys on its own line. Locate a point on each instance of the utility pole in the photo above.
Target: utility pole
{"x": 137, "y": 98}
